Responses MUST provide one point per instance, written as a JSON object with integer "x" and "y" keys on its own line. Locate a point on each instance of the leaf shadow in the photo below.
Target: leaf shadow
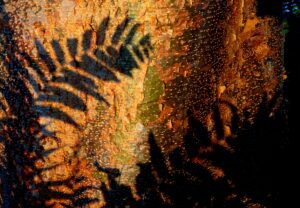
{"x": 102, "y": 66}
{"x": 21, "y": 133}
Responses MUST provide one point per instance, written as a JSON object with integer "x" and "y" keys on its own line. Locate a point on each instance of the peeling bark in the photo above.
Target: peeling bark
{"x": 84, "y": 84}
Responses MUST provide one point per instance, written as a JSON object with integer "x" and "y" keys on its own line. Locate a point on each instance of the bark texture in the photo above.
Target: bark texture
{"x": 137, "y": 103}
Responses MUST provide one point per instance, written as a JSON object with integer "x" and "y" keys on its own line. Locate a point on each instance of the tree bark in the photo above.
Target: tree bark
{"x": 96, "y": 93}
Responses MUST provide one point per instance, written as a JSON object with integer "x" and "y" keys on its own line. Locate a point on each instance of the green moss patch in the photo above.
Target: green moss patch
{"x": 148, "y": 110}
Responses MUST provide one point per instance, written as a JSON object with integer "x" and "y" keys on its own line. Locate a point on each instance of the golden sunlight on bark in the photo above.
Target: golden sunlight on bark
{"x": 134, "y": 103}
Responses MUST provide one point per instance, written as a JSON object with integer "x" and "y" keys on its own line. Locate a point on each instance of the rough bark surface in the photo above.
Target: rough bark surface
{"x": 96, "y": 93}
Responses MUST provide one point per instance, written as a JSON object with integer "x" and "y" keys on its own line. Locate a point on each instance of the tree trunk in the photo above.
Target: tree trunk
{"x": 137, "y": 103}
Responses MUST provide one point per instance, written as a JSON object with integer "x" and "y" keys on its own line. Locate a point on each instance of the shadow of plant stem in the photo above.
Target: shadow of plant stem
{"x": 22, "y": 133}
{"x": 19, "y": 128}
{"x": 77, "y": 194}
{"x": 222, "y": 177}
{"x": 187, "y": 181}
{"x": 115, "y": 194}
{"x": 122, "y": 55}
{"x": 238, "y": 176}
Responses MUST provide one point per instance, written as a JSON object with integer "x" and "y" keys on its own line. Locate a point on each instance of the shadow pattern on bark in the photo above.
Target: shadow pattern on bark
{"x": 100, "y": 63}
{"x": 22, "y": 136}
{"x": 205, "y": 174}
{"x": 221, "y": 177}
